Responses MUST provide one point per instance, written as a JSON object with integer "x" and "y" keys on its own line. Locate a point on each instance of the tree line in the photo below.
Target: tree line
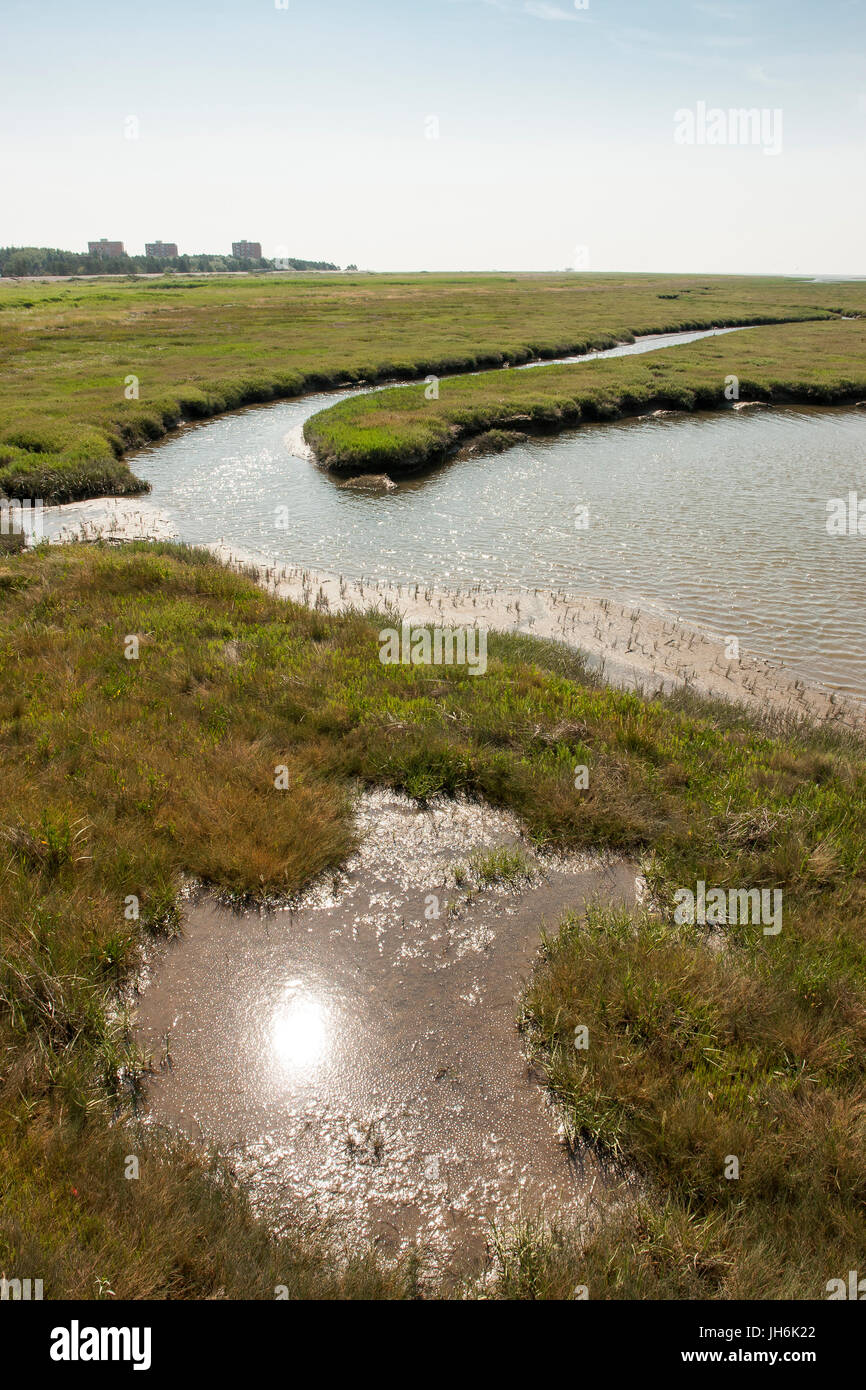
{"x": 44, "y": 260}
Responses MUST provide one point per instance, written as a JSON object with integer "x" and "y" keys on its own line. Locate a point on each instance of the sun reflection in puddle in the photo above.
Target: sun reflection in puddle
{"x": 299, "y": 1035}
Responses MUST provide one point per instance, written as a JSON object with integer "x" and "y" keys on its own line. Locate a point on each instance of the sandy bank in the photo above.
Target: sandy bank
{"x": 632, "y": 647}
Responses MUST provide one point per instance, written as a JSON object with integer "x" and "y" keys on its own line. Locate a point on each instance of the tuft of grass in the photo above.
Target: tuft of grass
{"x": 492, "y": 867}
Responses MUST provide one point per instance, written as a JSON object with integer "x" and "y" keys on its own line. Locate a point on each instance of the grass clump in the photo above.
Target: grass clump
{"x": 492, "y": 868}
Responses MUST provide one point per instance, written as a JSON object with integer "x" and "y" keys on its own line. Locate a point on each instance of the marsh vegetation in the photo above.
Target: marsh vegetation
{"x": 400, "y": 430}
{"x": 92, "y": 369}
{"x": 126, "y": 777}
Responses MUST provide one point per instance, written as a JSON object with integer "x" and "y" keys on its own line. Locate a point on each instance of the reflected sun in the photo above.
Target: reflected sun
{"x": 299, "y": 1031}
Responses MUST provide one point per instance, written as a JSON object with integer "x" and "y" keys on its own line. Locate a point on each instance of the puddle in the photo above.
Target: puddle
{"x": 357, "y": 1054}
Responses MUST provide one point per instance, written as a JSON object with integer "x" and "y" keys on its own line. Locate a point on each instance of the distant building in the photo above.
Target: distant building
{"x": 107, "y": 250}
{"x": 247, "y": 250}
{"x": 161, "y": 250}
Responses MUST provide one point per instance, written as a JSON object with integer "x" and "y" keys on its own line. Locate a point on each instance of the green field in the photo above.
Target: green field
{"x": 398, "y": 430}
{"x": 122, "y": 776}
{"x": 199, "y": 346}
{"x": 126, "y": 777}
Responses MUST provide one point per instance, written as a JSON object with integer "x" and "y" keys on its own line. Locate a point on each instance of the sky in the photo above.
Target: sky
{"x": 442, "y": 134}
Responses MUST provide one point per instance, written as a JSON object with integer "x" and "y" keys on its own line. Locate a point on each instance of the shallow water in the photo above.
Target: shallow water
{"x": 718, "y": 519}
{"x": 358, "y": 1055}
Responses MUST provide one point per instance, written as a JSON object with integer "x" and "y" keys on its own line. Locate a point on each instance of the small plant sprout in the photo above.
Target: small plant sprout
{"x": 499, "y": 866}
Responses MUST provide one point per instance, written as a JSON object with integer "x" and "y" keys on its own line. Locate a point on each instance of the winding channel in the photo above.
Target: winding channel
{"x": 716, "y": 519}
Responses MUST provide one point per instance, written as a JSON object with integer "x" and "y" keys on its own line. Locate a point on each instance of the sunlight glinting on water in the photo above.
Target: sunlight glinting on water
{"x": 720, "y": 519}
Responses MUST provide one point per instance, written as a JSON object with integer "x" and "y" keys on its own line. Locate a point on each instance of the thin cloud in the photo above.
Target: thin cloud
{"x": 723, "y": 12}
{"x": 539, "y": 9}
{"x": 535, "y": 9}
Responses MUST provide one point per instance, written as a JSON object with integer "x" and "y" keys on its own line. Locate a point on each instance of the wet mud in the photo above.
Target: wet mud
{"x": 357, "y": 1053}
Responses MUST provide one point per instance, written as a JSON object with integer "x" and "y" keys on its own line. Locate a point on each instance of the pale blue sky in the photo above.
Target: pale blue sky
{"x": 308, "y": 128}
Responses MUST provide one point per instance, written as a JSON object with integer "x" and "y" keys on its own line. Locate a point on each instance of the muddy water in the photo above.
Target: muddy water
{"x": 358, "y": 1055}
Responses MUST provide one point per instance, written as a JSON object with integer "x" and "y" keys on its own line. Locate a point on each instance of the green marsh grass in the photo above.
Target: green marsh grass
{"x": 399, "y": 430}
{"x": 197, "y": 347}
{"x": 126, "y": 777}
